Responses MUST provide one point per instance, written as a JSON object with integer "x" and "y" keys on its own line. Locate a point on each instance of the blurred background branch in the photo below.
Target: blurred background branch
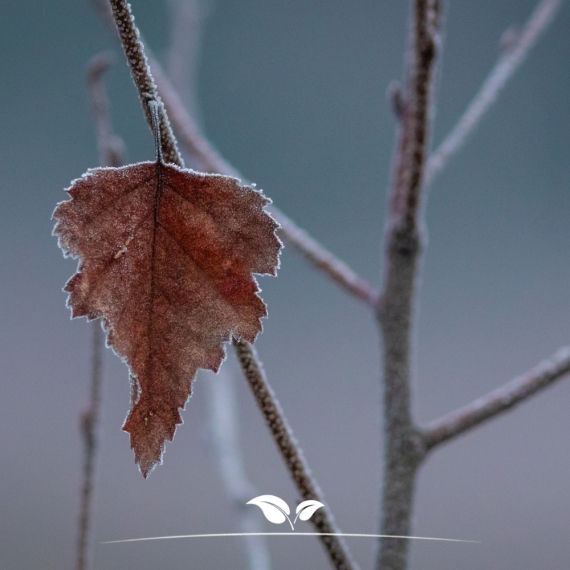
{"x": 516, "y": 46}
{"x": 110, "y": 154}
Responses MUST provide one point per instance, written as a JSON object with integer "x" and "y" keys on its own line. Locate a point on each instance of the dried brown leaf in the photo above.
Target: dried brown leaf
{"x": 166, "y": 259}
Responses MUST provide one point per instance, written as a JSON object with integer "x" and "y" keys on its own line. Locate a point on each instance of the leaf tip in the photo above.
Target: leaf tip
{"x": 151, "y": 422}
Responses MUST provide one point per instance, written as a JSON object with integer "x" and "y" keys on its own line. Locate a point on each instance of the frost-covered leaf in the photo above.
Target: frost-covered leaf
{"x": 166, "y": 259}
{"x": 307, "y": 509}
{"x": 274, "y": 508}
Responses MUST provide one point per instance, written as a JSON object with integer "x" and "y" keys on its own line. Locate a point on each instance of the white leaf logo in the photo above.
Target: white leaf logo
{"x": 307, "y": 509}
{"x": 274, "y": 508}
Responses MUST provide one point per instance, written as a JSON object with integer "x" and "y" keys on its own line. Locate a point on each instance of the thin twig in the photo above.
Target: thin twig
{"x": 89, "y": 428}
{"x": 224, "y": 427}
{"x": 110, "y": 150}
{"x": 322, "y": 259}
{"x": 251, "y": 367}
{"x": 511, "y": 59}
{"x": 142, "y": 77}
{"x": 404, "y": 450}
{"x": 197, "y": 145}
{"x": 322, "y": 520}
{"x": 498, "y": 401}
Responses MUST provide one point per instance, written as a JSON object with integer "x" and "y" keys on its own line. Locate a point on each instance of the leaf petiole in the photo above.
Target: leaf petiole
{"x": 153, "y": 107}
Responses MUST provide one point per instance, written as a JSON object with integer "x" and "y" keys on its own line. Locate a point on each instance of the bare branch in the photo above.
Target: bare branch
{"x": 322, "y": 259}
{"x": 404, "y": 448}
{"x": 498, "y": 401}
{"x": 195, "y": 143}
{"x": 89, "y": 430}
{"x": 89, "y": 419}
{"x": 415, "y": 110}
{"x": 224, "y": 426}
{"x": 142, "y": 77}
{"x": 110, "y": 150}
{"x": 246, "y": 355}
{"x": 513, "y": 56}
{"x": 322, "y": 520}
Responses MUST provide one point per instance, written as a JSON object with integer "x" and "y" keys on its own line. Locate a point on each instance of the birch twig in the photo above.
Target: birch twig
{"x": 196, "y": 144}
{"x": 89, "y": 430}
{"x": 498, "y": 401}
{"x": 404, "y": 450}
{"x": 511, "y": 59}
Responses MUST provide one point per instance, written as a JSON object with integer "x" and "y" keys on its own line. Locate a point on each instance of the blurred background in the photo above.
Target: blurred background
{"x": 293, "y": 94}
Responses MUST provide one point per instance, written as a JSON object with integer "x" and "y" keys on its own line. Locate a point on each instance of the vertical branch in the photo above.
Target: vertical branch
{"x": 404, "y": 448}
{"x": 110, "y": 152}
{"x": 224, "y": 427}
{"x": 89, "y": 425}
{"x": 142, "y": 77}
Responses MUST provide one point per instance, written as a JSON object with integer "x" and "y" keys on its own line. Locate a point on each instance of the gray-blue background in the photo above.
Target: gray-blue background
{"x": 293, "y": 94}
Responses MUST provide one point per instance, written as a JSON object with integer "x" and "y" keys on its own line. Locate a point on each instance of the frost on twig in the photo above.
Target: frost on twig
{"x": 396, "y": 308}
{"x": 498, "y": 401}
{"x": 516, "y": 47}
{"x": 138, "y": 64}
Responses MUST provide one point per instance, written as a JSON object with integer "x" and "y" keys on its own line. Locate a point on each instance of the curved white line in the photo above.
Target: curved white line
{"x": 288, "y": 534}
